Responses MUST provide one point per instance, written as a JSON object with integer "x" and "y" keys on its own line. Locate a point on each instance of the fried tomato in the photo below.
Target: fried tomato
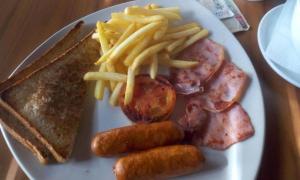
{"x": 153, "y": 99}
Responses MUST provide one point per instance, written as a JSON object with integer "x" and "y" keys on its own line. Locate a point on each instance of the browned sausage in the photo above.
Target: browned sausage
{"x": 159, "y": 163}
{"x": 136, "y": 137}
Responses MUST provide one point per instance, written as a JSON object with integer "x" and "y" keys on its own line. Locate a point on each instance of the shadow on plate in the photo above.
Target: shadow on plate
{"x": 214, "y": 160}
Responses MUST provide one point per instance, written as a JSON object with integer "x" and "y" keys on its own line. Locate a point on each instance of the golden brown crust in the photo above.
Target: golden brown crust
{"x": 56, "y": 50}
{"x": 136, "y": 137}
{"x": 159, "y": 163}
{"x": 14, "y": 89}
{"x": 153, "y": 100}
{"x": 21, "y": 134}
{"x": 25, "y": 116}
{"x": 9, "y": 121}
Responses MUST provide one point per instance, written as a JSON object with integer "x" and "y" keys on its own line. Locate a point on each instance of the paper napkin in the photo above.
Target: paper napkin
{"x": 281, "y": 49}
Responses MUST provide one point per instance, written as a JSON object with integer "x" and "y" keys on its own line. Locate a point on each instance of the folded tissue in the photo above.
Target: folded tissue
{"x": 284, "y": 46}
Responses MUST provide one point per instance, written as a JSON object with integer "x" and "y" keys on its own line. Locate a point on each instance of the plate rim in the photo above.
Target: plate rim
{"x": 20, "y": 66}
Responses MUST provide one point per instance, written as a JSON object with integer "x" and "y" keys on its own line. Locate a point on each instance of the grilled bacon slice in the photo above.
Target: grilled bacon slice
{"x": 210, "y": 56}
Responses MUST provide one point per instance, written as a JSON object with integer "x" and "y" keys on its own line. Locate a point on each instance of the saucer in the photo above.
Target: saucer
{"x": 264, "y": 33}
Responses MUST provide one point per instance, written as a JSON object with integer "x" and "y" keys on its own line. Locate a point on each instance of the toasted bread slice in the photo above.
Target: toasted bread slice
{"x": 10, "y": 122}
{"x": 48, "y": 101}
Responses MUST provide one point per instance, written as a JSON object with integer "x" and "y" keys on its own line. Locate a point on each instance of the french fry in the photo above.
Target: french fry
{"x": 102, "y": 39}
{"x": 111, "y": 31}
{"x": 154, "y": 6}
{"x": 108, "y": 76}
{"x": 129, "y": 86}
{"x": 111, "y": 68}
{"x": 169, "y": 15}
{"x": 148, "y": 6}
{"x": 150, "y": 12}
{"x": 136, "y": 50}
{"x": 112, "y": 42}
{"x": 113, "y": 26}
{"x": 117, "y": 25}
{"x": 175, "y": 44}
{"x": 196, "y": 37}
{"x": 181, "y": 34}
{"x": 130, "y": 29}
{"x": 147, "y": 53}
{"x": 154, "y": 66}
{"x": 108, "y": 33}
{"x": 169, "y": 9}
{"x": 113, "y": 100}
{"x": 137, "y": 18}
{"x": 104, "y": 57}
{"x": 121, "y": 48}
{"x": 182, "y": 27}
{"x": 162, "y": 30}
{"x": 138, "y": 37}
{"x": 100, "y": 85}
{"x": 107, "y": 85}
{"x": 203, "y": 33}
{"x": 112, "y": 35}
{"x": 178, "y": 63}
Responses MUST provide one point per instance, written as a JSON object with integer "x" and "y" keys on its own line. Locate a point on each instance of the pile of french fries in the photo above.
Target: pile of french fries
{"x": 139, "y": 37}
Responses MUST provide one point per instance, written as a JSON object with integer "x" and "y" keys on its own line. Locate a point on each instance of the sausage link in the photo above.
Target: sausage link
{"x": 136, "y": 137}
{"x": 159, "y": 163}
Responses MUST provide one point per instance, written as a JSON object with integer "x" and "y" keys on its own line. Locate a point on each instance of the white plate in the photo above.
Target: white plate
{"x": 241, "y": 161}
{"x": 264, "y": 32}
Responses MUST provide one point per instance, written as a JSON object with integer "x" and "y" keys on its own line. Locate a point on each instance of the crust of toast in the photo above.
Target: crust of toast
{"x": 68, "y": 41}
{"x": 24, "y": 136}
{"x": 13, "y": 122}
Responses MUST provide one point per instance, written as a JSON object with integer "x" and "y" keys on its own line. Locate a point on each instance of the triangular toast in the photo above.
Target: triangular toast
{"x": 10, "y": 122}
{"x": 48, "y": 101}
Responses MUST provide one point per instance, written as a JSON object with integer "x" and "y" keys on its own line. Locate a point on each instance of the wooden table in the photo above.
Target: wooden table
{"x": 25, "y": 24}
